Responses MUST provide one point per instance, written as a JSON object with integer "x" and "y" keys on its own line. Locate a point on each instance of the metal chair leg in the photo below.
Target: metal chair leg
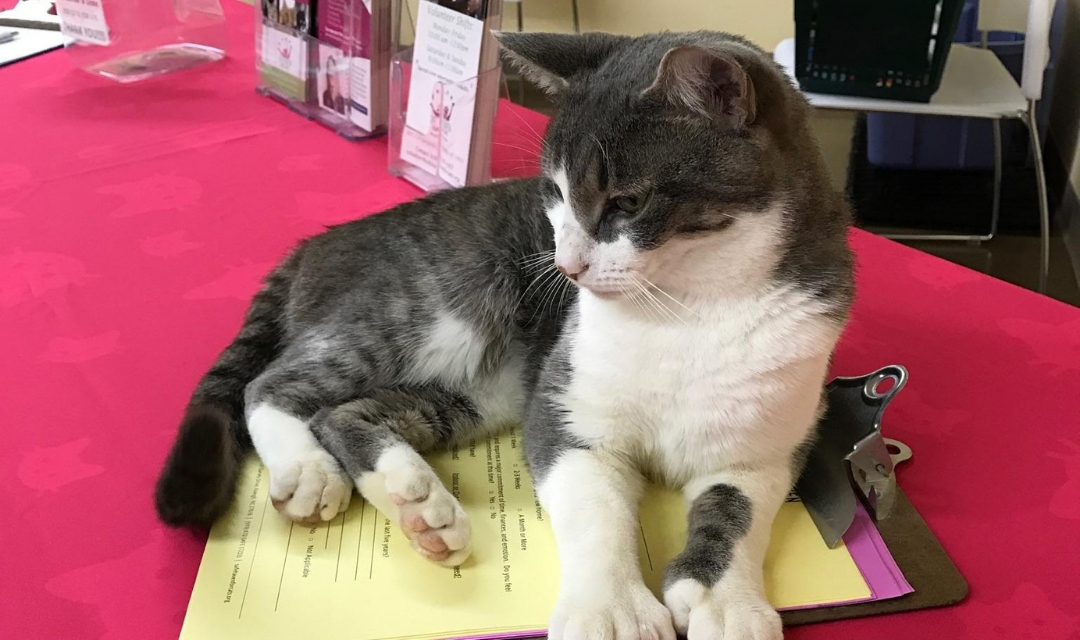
{"x": 577, "y": 23}
{"x": 1044, "y": 206}
{"x": 996, "y": 213}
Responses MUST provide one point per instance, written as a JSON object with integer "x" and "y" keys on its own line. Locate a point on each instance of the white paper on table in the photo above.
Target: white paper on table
{"x": 284, "y": 51}
{"x": 421, "y": 149}
{"x": 360, "y": 92}
{"x": 30, "y": 42}
{"x": 83, "y": 20}
{"x": 459, "y": 104}
{"x": 447, "y": 49}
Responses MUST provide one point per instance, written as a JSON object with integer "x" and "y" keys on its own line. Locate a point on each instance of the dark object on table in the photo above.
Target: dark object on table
{"x": 891, "y": 49}
{"x": 850, "y": 462}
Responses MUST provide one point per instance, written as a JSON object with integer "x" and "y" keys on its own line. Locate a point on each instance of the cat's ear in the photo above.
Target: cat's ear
{"x": 550, "y": 60}
{"x": 707, "y": 83}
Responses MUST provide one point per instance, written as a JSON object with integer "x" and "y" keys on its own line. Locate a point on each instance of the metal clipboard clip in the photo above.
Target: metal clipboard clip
{"x": 851, "y": 459}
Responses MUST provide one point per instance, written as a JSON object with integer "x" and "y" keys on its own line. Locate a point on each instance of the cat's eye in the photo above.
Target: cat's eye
{"x": 627, "y": 204}
{"x": 555, "y": 189}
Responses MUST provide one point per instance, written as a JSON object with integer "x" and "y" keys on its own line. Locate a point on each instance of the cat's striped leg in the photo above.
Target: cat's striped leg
{"x": 714, "y": 588}
{"x": 379, "y": 438}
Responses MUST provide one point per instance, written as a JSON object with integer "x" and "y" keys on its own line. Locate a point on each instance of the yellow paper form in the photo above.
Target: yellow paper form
{"x": 356, "y": 577}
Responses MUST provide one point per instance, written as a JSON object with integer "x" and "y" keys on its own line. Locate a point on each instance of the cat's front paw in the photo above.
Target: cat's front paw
{"x": 628, "y": 613}
{"x": 430, "y": 516}
{"x": 701, "y": 613}
{"x": 311, "y": 489}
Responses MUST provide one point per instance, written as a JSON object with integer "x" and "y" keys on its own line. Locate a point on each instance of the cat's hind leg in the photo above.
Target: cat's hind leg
{"x": 306, "y": 483}
{"x": 714, "y": 588}
{"x": 379, "y": 439}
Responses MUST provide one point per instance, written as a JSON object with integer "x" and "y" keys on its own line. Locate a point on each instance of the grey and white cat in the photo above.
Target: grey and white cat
{"x": 688, "y": 205}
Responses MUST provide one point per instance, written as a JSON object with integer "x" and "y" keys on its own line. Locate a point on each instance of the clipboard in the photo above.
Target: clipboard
{"x": 852, "y": 462}
{"x": 936, "y": 580}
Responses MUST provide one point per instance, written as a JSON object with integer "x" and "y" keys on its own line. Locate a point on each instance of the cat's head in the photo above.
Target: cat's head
{"x": 670, "y": 157}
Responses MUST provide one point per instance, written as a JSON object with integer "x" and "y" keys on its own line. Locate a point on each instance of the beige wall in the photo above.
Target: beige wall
{"x": 766, "y": 22}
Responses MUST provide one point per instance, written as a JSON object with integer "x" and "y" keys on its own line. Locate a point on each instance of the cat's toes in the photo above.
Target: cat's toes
{"x": 430, "y": 516}
{"x": 702, "y": 613}
{"x": 311, "y": 490}
{"x": 630, "y": 613}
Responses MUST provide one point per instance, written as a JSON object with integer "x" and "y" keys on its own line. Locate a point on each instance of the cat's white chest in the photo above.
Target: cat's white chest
{"x": 728, "y": 385}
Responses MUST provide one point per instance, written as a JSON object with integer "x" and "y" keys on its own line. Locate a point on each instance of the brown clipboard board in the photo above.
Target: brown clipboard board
{"x": 933, "y": 576}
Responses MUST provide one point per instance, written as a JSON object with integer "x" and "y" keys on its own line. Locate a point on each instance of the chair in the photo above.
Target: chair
{"x": 976, "y": 85}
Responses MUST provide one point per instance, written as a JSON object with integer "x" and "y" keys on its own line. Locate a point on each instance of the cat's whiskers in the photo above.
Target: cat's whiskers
{"x": 538, "y": 254}
{"x": 641, "y": 302}
{"x": 549, "y": 293}
{"x": 530, "y": 266}
{"x": 549, "y": 279}
{"x": 534, "y": 258}
{"x": 535, "y": 268}
{"x": 541, "y": 277}
{"x": 562, "y": 299}
{"x": 671, "y": 297}
{"x": 536, "y": 136}
{"x": 562, "y": 288}
{"x": 603, "y": 151}
{"x": 509, "y": 172}
{"x": 531, "y": 152}
{"x": 642, "y": 307}
{"x": 657, "y": 304}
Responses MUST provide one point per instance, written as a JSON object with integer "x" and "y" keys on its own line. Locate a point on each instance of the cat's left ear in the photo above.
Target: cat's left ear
{"x": 551, "y": 60}
{"x": 707, "y": 83}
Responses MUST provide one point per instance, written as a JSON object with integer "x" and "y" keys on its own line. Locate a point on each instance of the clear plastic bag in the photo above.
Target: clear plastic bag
{"x": 131, "y": 40}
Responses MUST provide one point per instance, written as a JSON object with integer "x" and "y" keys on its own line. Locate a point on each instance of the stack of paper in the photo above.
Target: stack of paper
{"x": 356, "y": 577}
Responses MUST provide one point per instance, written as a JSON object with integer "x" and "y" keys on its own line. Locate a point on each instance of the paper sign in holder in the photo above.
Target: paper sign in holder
{"x": 421, "y": 157}
{"x": 318, "y": 79}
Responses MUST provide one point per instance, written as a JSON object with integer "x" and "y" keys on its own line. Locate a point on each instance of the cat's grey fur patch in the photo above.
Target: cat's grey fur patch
{"x": 545, "y": 434}
{"x": 425, "y": 418}
{"x": 366, "y": 294}
{"x": 718, "y": 518}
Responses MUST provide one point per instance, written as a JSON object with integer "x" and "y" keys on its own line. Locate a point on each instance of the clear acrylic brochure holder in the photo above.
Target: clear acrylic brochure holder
{"x": 129, "y": 40}
{"x": 438, "y": 158}
{"x": 313, "y": 77}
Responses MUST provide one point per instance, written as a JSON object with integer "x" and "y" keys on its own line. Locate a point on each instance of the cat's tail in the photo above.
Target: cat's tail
{"x": 197, "y": 484}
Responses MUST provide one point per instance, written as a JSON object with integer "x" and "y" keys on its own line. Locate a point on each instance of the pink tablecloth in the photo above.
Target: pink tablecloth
{"x": 135, "y": 222}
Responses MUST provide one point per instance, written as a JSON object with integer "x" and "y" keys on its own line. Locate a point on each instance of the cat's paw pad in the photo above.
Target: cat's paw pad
{"x": 630, "y": 613}
{"x": 310, "y": 490}
{"x": 701, "y": 613}
{"x": 430, "y": 516}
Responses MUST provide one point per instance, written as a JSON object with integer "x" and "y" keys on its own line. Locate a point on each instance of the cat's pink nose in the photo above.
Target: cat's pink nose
{"x": 572, "y": 269}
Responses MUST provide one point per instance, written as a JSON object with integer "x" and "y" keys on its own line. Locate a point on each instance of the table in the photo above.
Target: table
{"x": 135, "y": 223}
